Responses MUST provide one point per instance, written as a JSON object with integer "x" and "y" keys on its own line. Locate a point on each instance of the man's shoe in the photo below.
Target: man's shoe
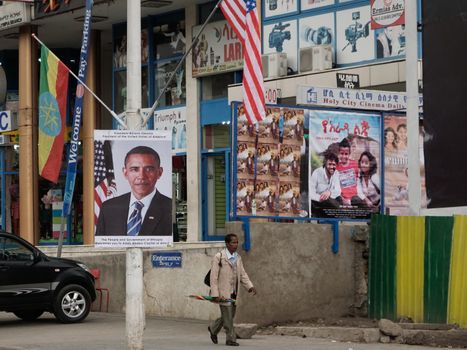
{"x": 213, "y": 336}
{"x": 231, "y": 343}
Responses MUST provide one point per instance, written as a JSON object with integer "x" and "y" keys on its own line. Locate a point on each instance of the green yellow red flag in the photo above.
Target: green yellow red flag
{"x": 53, "y": 91}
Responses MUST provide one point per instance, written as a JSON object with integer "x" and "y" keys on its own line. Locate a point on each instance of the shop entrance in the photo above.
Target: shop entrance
{"x": 215, "y": 193}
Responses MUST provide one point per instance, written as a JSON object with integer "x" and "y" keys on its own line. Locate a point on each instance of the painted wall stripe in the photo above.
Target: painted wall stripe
{"x": 438, "y": 240}
{"x": 410, "y": 267}
{"x": 457, "y": 301}
{"x": 382, "y": 296}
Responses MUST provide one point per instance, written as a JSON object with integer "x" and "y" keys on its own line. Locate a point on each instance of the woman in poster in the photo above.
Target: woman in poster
{"x": 368, "y": 186}
{"x": 390, "y": 140}
{"x": 402, "y": 136}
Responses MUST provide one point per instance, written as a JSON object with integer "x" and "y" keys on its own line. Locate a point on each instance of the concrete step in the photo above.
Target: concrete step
{"x": 455, "y": 338}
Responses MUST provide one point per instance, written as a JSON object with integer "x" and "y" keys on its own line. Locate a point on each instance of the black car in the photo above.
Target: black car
{"x": 32, "y": 283}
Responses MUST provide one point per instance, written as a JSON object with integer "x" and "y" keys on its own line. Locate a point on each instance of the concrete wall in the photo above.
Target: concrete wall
{"x": 292, "y": 266}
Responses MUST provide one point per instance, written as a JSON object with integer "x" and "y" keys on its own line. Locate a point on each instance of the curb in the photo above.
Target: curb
{"x": 456, "y": 338}
{"x": 353, "y": 334}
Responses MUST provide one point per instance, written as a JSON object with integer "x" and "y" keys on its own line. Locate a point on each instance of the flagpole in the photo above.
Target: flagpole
{"x": 195, "y": 40}
{"x": 119, "y": 120}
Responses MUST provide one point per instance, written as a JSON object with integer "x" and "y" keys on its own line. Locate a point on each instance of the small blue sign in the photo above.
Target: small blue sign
{"x": 167, "y": 259}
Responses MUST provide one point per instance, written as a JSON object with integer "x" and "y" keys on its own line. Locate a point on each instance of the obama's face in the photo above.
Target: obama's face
{"x": 142, "y": 172}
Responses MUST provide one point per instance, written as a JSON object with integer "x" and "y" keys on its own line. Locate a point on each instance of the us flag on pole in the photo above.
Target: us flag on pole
{"x": 104, "y": 178}
{"x": 243, "y": 18}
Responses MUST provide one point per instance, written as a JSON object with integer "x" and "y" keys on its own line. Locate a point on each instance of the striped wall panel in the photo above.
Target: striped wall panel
{"x": 382, "y": 273}
{"x": 409, "y": 268}
{"x": 457, "y": 305}
{"x": 418, "y": 269}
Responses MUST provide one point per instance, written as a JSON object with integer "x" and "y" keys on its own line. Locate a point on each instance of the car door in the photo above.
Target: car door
{"x": 24, "y": 280}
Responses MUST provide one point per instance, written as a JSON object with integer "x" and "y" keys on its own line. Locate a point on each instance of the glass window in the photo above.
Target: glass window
{"x": 169, "y": 40}
{"x": 11, "y": 250}
{"x": 175, "y": 93}
{"x": 215, "y": 86}
{"x": 121, "y": 90}
{"x": 216, "y": 136}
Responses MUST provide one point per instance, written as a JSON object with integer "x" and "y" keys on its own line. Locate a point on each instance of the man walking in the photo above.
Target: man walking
{"x": 226, "y": 272}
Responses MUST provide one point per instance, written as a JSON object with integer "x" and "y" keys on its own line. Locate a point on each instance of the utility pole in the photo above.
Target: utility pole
{"x": 135, "y": 314}
{"x": 411, "y": 68}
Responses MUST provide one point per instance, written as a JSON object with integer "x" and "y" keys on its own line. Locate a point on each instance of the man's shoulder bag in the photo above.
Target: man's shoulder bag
{"x": 207, "y": 278}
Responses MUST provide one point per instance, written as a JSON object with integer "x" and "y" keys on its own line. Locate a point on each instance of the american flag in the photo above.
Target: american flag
{"x": 104, "y": 178}
{"x": 243, "y": 18}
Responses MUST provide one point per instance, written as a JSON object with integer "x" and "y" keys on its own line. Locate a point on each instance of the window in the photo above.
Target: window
{"x": 11, "y": 250}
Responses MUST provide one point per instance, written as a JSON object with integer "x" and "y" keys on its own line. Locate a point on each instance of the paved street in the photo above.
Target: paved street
{"x": 107, "y": 331}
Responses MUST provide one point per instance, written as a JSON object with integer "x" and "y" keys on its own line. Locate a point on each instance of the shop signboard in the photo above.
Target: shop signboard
{"x": 354, "y": 99}
{"x": 7, "y": 121}
{"x": 14, "y": 14}
{"x": 172, "y": 120}
{"x": 348, "y": 81}
{"x": 218, "y": 50}
{"x": 386, "y": 13}
{"x": 166, "y": 259}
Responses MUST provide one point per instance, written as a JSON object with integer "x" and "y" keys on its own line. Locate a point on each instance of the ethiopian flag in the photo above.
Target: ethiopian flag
{"x": 53, "y": 92}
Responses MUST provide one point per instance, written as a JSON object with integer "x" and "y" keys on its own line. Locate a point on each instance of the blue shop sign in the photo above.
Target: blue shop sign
{"x": 166, "y": 259}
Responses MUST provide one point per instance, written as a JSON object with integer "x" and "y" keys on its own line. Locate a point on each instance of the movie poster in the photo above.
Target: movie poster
{"x": 268, "y": 163}
{"x": 396, "y": 177}
{"x": 344, "y": 156}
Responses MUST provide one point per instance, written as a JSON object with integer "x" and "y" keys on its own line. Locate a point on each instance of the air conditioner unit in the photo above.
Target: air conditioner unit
{"x": 315, "y": 58}
{"x": 274, "y": 65}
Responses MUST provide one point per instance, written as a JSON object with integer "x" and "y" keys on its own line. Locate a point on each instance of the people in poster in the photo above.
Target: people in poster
{"x": 325, "y": 189}
{"x": 353, "y": 138}
{"x": 396, "y": 167}
{"x": 390, "y": 140}
{"x": 289, "y": 198}
{"x": 402, "y": 136}
{"x": 390, "y": 41}
{"x": 143, "y": 211}
{"x": 368, "y": 184}
{"x": 245, "y": 196}
{"x": 348, "y": 173}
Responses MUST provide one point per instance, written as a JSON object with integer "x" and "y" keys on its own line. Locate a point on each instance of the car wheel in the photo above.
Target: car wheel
{"x": 72, "y": 304}
{"x": 28, "y": 315}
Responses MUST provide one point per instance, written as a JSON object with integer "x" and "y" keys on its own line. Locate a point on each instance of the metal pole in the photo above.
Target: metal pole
{"x": 193, "y": 43}
{"x": 411, "y": 62}
{"x": 135, "y": 314}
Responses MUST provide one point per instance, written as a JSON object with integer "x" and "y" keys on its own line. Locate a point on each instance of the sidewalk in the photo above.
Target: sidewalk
{"x": 102, "y": 331}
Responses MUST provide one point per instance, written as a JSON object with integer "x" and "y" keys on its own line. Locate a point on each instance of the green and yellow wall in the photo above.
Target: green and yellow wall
{"x": 418, "y": 269}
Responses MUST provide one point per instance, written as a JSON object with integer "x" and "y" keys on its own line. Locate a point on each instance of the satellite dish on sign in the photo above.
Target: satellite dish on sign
{"x": 2, "y": 86}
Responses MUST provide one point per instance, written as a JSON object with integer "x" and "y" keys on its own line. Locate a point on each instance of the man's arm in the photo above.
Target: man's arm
{"x": 244, "y": 279}
{"x": 215, "y": 275}
{"x": 313, "y": 185}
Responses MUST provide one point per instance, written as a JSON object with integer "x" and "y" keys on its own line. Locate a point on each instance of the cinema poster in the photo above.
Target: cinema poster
{"x": 344, "y": 164}
{"x": 396, "y": 176}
